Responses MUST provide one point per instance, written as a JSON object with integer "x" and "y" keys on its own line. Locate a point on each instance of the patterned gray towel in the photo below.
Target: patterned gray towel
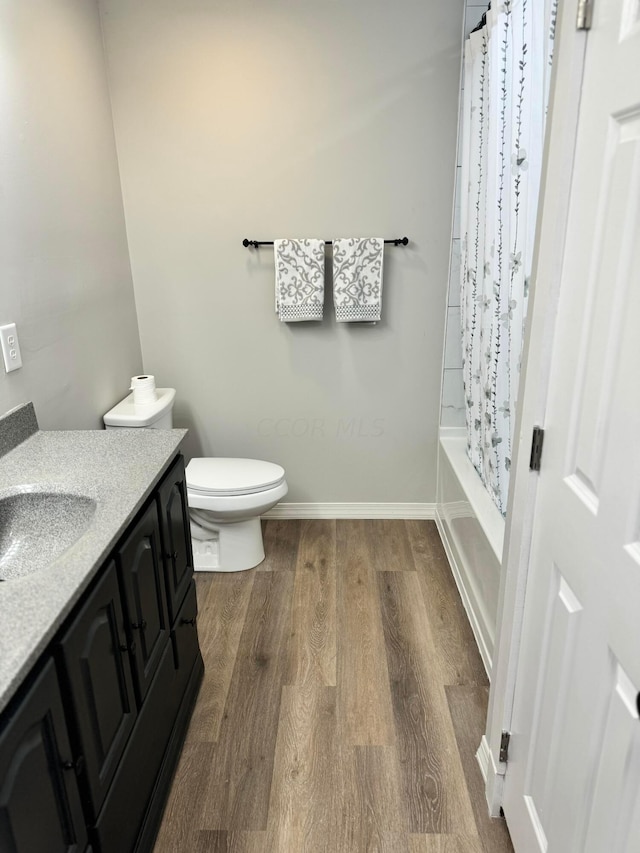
{"x": 357, "y": 279}
{"x": 299, "y": 279}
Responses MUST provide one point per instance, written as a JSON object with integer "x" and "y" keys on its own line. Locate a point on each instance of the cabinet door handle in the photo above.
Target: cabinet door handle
{"x": 128, "y": 648}
{"x": 139, "y": 626}
{"x": 172, "y": 556}
{"x": 185, "y": 621}
{"x": 77, "y": 765}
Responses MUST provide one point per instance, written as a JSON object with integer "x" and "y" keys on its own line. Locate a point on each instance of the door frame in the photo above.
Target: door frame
{"x": 557, "y": 174}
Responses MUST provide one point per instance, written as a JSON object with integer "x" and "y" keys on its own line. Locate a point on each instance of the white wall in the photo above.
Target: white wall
{"x": 291, "y": 118}
{"x": 64, "y": 269}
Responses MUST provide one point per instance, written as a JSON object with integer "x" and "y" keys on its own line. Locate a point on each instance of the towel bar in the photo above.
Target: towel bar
{"x": 397, "y": 241}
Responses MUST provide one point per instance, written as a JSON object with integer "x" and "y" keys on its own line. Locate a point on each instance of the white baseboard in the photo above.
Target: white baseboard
{"x": 476, "y": 627}
{"x": 493, "y": 777}
{"x": 483, "y": 757}
{"x": 352, "y": 510}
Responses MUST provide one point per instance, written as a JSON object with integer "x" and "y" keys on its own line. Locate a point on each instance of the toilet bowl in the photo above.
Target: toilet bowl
{"x": 226, "y": 499}
{"x": 226, "y": 496}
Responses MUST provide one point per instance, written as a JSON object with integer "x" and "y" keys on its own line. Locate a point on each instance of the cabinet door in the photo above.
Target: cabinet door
{"x": 40, "y": 810}
{"x": 184, "y": 637}
{"x": 96, "y": 660}
{"x": 142, "y": 573}
{"x": 125, "y": 809}
{"x": 176, "y": 536}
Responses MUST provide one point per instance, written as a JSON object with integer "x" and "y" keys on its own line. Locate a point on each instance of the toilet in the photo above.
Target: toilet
{"x": 226, "y": 496}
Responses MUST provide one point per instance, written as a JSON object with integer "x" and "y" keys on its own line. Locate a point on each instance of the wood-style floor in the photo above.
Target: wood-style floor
{"x": 342, "y": 704}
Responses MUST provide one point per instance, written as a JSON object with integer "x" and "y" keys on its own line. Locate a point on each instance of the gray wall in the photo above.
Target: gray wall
{"x": 65, "y": 278}
{"x": 289, "y": 118}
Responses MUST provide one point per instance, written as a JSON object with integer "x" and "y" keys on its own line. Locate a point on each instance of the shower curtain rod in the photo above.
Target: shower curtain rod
{"x": 397, "y": 241}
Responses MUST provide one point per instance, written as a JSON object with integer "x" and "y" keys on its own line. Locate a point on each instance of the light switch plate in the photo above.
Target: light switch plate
{"x": 10, "y": 347}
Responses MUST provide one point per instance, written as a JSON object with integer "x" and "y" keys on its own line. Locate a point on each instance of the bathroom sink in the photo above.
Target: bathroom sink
{"x": 37, "y": 527}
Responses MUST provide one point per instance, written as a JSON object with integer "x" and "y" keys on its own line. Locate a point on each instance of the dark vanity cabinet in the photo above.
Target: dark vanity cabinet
{"x": 142, "y": 575}
{"x": 90, "y": 747}
{"x": 96, "y": 666}
{"x": 39, "y": 796}
{"x": 174, "y": 513}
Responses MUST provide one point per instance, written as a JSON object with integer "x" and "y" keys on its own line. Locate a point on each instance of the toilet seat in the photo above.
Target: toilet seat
{"x": 228, "y": 477}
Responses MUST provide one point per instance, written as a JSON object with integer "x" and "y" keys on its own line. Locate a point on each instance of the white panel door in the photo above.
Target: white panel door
{"x": 573, "y": 779}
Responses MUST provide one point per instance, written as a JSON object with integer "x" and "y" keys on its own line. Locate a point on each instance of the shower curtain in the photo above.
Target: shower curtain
{"x": 507, "y": 70}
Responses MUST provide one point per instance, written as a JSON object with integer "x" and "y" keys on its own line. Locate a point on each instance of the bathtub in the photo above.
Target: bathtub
{"x": 472, "y": 532}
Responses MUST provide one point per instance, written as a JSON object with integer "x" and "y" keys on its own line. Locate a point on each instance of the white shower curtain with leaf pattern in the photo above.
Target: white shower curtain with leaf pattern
{"x": 507, "y": 69}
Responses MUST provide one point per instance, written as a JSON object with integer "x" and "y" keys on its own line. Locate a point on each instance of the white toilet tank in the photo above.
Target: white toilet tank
{"x": 155, "y": 415}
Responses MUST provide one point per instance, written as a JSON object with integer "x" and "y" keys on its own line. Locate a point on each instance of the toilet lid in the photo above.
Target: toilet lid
{"x": 223, "y": 476}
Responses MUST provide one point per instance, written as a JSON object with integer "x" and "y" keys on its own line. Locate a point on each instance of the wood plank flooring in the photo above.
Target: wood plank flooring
{"x": 342, "y": 703}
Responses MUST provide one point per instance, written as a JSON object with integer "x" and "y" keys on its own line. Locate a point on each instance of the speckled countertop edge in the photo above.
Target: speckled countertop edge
{"x": 118, "y": 469}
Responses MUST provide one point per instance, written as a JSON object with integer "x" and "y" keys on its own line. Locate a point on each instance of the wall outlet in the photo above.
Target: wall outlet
{"x": 10, "y": 347}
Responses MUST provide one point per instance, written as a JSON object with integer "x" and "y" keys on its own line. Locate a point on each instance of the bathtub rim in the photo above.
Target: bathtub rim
{"x": 452, "y": 446}
{"x": 453, "y": 442}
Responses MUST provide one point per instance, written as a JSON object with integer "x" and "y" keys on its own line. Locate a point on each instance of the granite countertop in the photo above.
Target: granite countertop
{"x": 118, "y": 469}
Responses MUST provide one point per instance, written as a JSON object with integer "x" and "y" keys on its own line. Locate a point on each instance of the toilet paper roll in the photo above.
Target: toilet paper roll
{"x": 144, "y": 381}
{"x": 144, "y": 389}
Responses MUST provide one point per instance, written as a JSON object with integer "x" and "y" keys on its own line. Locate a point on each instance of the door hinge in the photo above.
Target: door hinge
{"x": 585, "y": 15}
{"x": 505, "y": 737}
{"x": 536, "y": 448}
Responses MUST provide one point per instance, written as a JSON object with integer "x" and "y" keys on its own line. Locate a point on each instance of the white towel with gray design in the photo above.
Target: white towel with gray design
{"x": 357, "y": 279}
{"x": 299, "y": 279}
